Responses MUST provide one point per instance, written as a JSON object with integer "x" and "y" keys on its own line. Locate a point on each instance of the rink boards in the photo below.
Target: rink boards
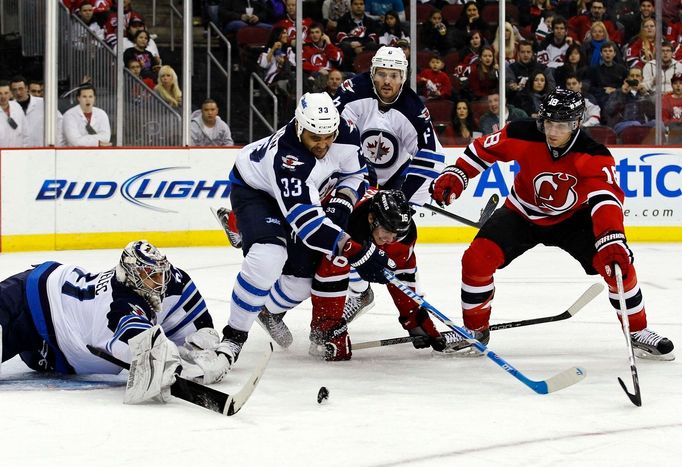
{"x": 85, "y": 198}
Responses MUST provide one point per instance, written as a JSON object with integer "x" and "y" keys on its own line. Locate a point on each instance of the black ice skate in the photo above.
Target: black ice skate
{"x": 456, "y": 345}
{"x": 355, "y": 306}
{"x": 229, "y": 223}
{"x": 232, "y": 343}
{"x": 647, "y": 344}
{"x": 275, "y": 327}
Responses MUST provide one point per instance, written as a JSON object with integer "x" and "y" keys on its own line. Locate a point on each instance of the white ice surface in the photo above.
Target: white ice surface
{"x": 393, "y": 405}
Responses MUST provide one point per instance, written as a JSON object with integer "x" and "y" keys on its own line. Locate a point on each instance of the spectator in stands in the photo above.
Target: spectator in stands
{"x": 12, "y": 120}
{"x": 669, "y": 67}
{"x": 135, "y": 68}
{"x": 332, "y": 11}
{"x": 672, "y": 105}
{"x": 320, "y": 56}
{"x": 36, "y": 88}
{"x": 630, "y": 105}
{"x": 86, "y": 14}
{"x": 594, "y": 41}
{"x": 463, "y": 123}
{"x": 579, "y": 26}
{"x": 391, "y": 31}
{"x": 278, "y": 62}
{"x": 356, "y": 32}
{"x": 34, "y": 112}
{"x": 208, "y": 129}
{"x": 642, "y": 48}
{"x": 531, "y": 12}
{"x": 619, "y": 10}
{"x": 544, "y": 28}
{"x": 518, "y": 73}
{"x": 606, "y": 77}
{"x": 236, "y": 14}
{"x": 673, "y": 31}
{"x": 168, "y": 87}
{"x": 470, "y": 53}
{"x": 552, "y": 51}
{"x": 530, "y": 97}
{"x": 574, "y": 64}
{"x": 482, "y": 78}
{"x": 111, "y": 23}
{"x": 150, "y": 64}
{"x": 470, "y": 20}
{"x": 435, "y": 35}
{"x": 377, "y": 9}
{"x": 592, "y": 115}
{"x": 490, "y": 122}
{"x": 432, "y": 82}
{"x": 135, "y": 25}
{"x": 334, "y": 80}
{"x": 85, "y": 124}
{"x": 511, "y": 46}
{"x": 632, "y": 22}
{"x": 289, "y": 23}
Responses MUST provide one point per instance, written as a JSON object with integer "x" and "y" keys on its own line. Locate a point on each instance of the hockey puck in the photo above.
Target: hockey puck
{"x": 322, "y": 395}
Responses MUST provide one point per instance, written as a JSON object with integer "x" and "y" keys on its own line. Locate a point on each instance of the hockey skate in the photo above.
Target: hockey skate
{"x": 232, "y": 343}
{"x": 456, "y": 345}
{"x": 332, "y": 345}
{"x": 275, "y": 327}
{"x": 228, "y": 221}
{"x": 647, "y": 344}
{"x": 355, "y": 306}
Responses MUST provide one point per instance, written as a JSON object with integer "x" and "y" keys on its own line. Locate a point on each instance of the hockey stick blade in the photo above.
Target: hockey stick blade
{"x": 590, "y": 294}
{"x": 557, "y": 382}
{"x": 198, "y": 394}
{"x": 486, "y": 212}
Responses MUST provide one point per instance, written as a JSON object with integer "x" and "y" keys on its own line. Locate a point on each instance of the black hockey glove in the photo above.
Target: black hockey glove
{"x": 368, "y": 260}
{"x": 339, "y": 209}
{"x": 419, "y": 325}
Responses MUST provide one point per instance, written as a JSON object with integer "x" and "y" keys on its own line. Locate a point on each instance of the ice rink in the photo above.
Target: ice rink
{"x": 388, "y": 406}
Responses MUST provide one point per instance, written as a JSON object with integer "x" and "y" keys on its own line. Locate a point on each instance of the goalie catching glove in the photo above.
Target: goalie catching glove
{"x": 449, "y": 185}
{"x": 154, "y": 363}
{"x": 201, "y": 349}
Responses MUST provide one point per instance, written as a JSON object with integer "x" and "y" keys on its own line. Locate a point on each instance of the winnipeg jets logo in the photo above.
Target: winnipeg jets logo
{"x": 290, "y": 162}
{"x": 555, "y": 191}
{"x": 380, "y": 148}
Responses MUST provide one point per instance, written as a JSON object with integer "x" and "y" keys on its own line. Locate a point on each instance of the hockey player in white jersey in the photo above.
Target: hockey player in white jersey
{"x": 50, "y": 313}
{"x": 398, "y": 141}
{"x": 279, "y": 184}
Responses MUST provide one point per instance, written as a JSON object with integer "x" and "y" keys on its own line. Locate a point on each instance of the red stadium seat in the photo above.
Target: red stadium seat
{"x": 440, "y": 110}
{"x": 638, "y": 135}
{"x": 252, "y": 37}
{"x": 478, "y": 108}
{"x": 423, "y": 59}
{"x": 451, "y": 61}
{"x": 491, "y": 12}
{"x": 448, "y": 138}
{"x": 451, "y": 13}
{"x": 363, "y": 61}
{"x": 423, "y": 12}
{"x": 602, "y": 134}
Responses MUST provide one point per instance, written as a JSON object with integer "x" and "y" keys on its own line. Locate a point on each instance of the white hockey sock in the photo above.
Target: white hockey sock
{"x": 357, "y": 285}
{"x": 287, "y": 293}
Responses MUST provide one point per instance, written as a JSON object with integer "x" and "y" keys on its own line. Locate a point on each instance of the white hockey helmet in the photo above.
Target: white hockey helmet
{"x": 317, "y": 113}
{"x": 146, "y": 270}
{"x": 392, "y": 58}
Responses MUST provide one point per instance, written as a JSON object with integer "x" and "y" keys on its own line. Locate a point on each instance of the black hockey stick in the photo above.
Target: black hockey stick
{"x": 590, "y": 294}
{"x": 201, "y": 395}
{"x": 635, "y": 398}
{"x": 486, "y": 212}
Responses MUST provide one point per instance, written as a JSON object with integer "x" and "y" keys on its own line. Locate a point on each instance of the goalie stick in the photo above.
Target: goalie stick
{"x": 635, "y": 398}
{"x": 201, "y": 395}
{"x": 486, "y": 212}
{"x": 590, "y": 294}
{"x": 557, "y": 382}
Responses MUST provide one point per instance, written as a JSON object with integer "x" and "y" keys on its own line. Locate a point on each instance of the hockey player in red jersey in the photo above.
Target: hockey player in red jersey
{"x": 566, "y": 195}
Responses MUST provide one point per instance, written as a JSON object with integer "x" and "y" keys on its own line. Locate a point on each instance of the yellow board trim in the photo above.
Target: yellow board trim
{"x": 90, "y": 241}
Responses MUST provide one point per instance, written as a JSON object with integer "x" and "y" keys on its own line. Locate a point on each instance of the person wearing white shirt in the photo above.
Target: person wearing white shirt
{"x": 669, "y": 68}
{"x": 34, "y": 110}
{"x": 85, "y": 124}
{"x": 208, "y": 129}
{"x": 136, "y": 24}
{"x": 12, "y": 120}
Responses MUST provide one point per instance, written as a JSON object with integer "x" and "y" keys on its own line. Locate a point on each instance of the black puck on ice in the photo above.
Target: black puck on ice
{"x": 322, "y": 395}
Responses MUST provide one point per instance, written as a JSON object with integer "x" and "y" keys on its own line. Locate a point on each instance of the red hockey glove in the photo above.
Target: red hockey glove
{"x": 612, "y": 249}
{"x": 448, "y": 186}
{"x": 368, "y": 260}
{"x": 418, "y": 324}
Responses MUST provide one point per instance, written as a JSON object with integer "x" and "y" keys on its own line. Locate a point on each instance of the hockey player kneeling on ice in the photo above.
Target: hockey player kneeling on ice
{"x": 278, "y": 184}
{"x": 382, "y": 219}
{"x": 50, "y": 313}
{"x": 566, "y": 195}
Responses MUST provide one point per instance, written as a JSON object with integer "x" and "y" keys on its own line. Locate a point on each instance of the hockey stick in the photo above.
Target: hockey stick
{"x": 587, "y": 296}
{"x": 486, "y": 212}
{"x": 557, "y": 382}
{"x": 201, "y": 395}
{"x": 635, "y": 398}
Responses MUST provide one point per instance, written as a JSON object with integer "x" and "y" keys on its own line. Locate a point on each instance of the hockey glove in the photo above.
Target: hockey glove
{"x": 368, "y": 260}
{"x": 612, "y": 249}
{"x": 200, "y": 350}
{"x": 449, "y": 185}
{"x": 418, "y": 324}
{"x": 339, "y": 209}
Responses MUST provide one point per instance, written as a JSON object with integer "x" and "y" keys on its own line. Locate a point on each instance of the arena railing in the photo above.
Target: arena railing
{"x": 226, "y": 73}
{"x": 9, "y": 16}
{"x": 272, "y": 127}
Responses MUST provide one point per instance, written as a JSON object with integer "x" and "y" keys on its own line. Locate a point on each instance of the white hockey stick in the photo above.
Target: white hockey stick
{"x": 636, "y": 397}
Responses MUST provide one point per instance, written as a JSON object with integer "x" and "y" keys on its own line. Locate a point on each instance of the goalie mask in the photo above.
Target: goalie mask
{"x": 391, "y": 211}
{"x": 146, "y": 270}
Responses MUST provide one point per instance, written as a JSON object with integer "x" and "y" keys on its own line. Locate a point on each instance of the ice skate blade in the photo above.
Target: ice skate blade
{"x": 468, "y": 352}
{"x": 644, "y": 355}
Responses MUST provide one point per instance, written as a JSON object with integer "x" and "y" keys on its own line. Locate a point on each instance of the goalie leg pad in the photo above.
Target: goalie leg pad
{"x": 154, "y": 361}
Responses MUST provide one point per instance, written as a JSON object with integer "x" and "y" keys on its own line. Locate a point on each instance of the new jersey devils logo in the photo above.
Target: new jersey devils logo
{"x": 554, "y": 191}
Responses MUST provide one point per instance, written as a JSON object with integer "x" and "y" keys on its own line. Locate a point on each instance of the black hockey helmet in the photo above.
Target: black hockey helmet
{"x": 561, "y": 105}
{"x": 391, "y": 211}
